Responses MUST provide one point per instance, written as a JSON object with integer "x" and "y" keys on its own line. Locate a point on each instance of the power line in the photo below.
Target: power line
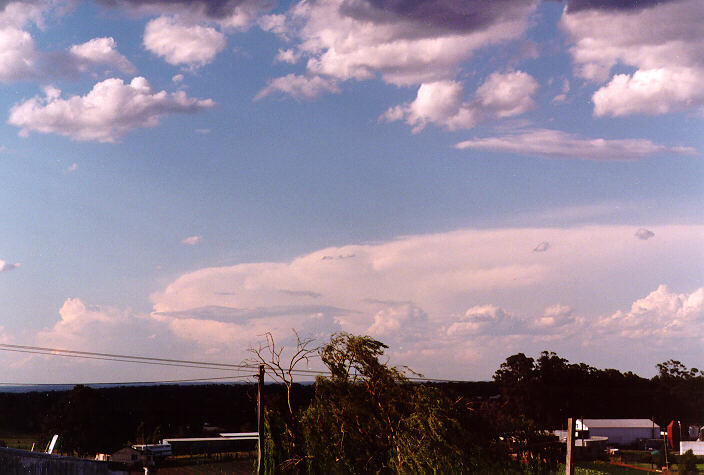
{"x": 86, "y": 357}
{"x": 180, "y": 363}
{"x": 124, "y": 383}
{"x": 128, "y": 357}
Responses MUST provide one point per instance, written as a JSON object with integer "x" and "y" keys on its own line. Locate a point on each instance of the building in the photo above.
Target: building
{"x": 620, "y": 432}
{"x": 696, "y": 446}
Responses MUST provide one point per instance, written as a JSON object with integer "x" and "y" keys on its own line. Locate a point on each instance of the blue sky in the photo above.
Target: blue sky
{"x": 181, "y": 177}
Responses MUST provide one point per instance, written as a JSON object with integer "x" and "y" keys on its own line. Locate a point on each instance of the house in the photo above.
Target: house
{"x": 620, "y": 432}
{"x": 132, "y": 457}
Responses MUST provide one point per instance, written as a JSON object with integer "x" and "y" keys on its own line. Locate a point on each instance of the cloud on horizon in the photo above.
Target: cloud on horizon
{"x": 556, "y": 144}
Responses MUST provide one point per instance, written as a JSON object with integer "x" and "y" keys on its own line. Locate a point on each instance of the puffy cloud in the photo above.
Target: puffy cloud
{"x": 650, "y": 91}
{"x": 442, "y": 103}
{"x": 18, "y": 55}
{"x": 661, "y": 314}
{"x": 417, "y": 43}
{"x": 506, "y": 95}
{"x": 7, "y": 266}
{"x": 485, "y": 319}
{"x": 662, "y": 40}
{"x": 110, "y": 110}
{"x": 299, "y": 87}
{"x": 192, "y": 240}
{"x": 557, "y": 144}
{"x": 180, "y": 43}
{"x": 644, "y": 234}
{"x": 397, "y": 317}
{"x": 100, "y": 51}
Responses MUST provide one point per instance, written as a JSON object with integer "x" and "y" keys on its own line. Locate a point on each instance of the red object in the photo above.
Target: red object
{"x": 673, "y": 435}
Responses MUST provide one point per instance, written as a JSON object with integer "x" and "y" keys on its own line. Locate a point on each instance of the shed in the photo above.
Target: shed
{"x": 621, "y": 432}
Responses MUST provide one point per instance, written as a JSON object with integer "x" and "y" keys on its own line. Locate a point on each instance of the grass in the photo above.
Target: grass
{"x": 23, "y": 441}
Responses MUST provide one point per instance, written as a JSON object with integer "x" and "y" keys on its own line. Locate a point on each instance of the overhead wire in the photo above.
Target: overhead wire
{"x": 178, "y": 362}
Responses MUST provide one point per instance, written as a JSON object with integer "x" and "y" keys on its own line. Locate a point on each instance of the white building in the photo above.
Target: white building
{"x": 696, "y": 446}
{"x": 623, "y": 432}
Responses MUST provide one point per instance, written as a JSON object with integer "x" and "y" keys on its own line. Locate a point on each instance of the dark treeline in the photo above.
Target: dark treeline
{"x": 549, "y": 389}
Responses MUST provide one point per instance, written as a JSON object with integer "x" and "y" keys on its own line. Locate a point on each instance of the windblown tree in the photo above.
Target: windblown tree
{"x": 368, "y": 418}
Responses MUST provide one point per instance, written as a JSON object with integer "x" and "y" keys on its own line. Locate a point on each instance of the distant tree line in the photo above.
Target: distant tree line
{"x": 368, "y": 416}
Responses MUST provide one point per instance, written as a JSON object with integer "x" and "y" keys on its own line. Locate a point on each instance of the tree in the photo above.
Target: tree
{"x": 281, "y": 365}
{"x": 82, "y": 421}
{"x": 688, "y": 464}
{"x": 369, "y": 418}
{"x": 281, "y": 447}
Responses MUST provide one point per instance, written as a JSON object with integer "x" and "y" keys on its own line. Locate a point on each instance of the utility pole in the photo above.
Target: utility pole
{"x": 260, "y": 390}
{"x": 569, "y": 462}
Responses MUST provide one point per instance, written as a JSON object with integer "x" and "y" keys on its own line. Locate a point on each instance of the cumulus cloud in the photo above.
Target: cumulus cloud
{"x": 660, "y": 314}
{"x": 18, "y": 55}
{"x": 644, "y": 234}
{"x": 299, "y": 87}
{"x": 485, "y": 319}
{"x": 7, "y": 266}
{"x": 192, "y": 240}
{"x": 182, "y": 44}
{"x": 442, "y": 103}
{"x": 100, "y": 51}
{"x": 557, "y": 144}
{"x": 420, "y": 42}
{"x": 110, "y": 110}
{"x": 662, "y": 40}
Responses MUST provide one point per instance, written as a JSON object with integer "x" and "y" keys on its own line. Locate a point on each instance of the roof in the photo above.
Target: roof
{"x": 632, "y": 423}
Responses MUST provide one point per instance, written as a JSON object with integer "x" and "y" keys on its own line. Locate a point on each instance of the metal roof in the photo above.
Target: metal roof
{"x": 631, "y": 423}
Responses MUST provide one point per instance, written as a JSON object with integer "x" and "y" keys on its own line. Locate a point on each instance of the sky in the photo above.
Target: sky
{"x": 460, "y": 180}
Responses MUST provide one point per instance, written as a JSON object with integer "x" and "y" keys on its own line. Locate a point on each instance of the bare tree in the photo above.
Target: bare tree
{"x": 281, "y": 365}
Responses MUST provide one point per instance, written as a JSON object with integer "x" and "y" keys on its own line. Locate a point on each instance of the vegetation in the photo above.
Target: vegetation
{"x": 368, "y": 416}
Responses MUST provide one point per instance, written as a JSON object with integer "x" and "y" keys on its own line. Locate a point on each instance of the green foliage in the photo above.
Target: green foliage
{"x": 368, "y": 418}
{"x": 688, "y": 464}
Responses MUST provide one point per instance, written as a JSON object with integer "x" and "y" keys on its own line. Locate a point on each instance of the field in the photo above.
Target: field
{"x": 23, "y": 441}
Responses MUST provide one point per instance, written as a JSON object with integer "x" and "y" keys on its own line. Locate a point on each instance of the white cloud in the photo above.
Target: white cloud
{"x": 661, "y": 314}
{"x": 7, "y": 266}
{"x": 181, "y": 43}
{"x": 421, "y": 43}
{"x": 18, "y": 55}
{"x": 100, "y": 51}
{"x": 442, "y": 103}
{"x": 177, "y": 78}
{"x": 650, "y": 91}
{"x": 663, "y": 41}
{"x": 72, "y": 168}
{"x": 110, "y": 110}
{"x": 287, "y": 56}
{"x": 192, "y": 240}
{"x": 557, "y": 144}
{"x": 299, "y": 87}
{"x": 439, "y": 300}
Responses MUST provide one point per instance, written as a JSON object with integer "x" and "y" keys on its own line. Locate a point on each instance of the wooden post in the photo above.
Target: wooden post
{"x": 569, "y": 462}
{"x": 260, "y": 390}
